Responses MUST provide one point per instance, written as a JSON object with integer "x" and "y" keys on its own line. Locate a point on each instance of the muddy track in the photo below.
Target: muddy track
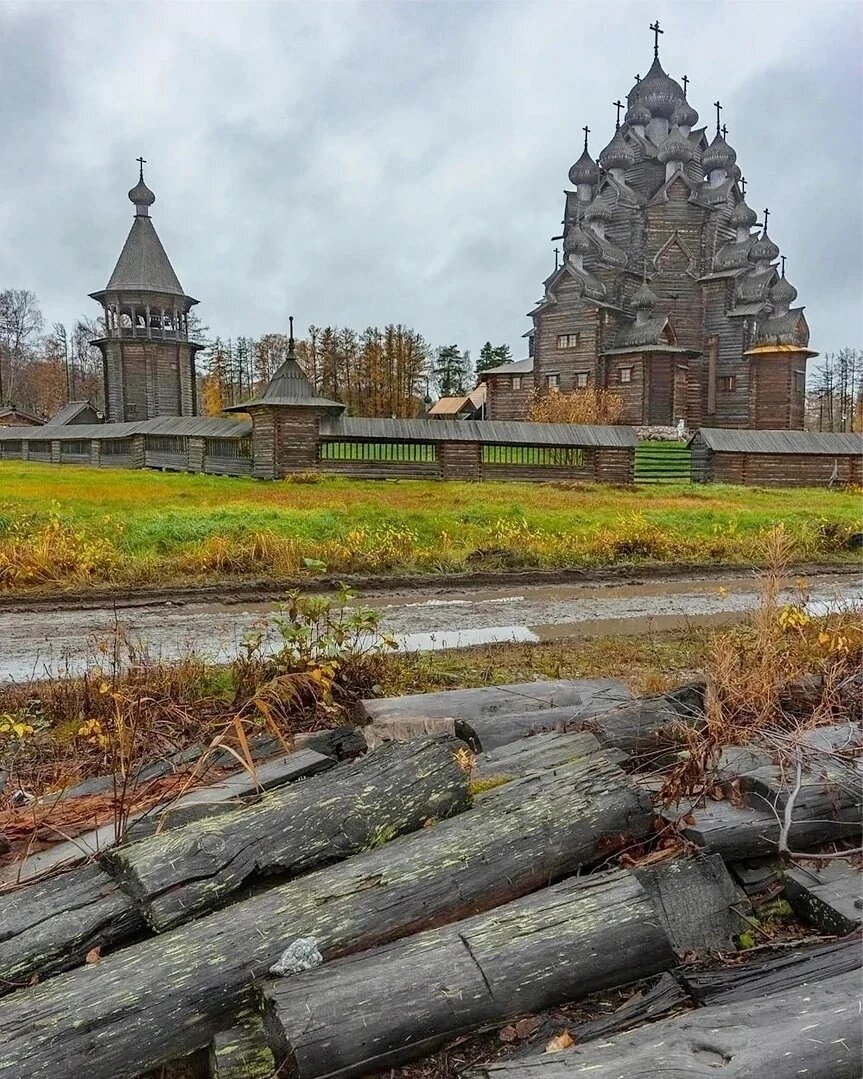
{"x": 261, "y": 590}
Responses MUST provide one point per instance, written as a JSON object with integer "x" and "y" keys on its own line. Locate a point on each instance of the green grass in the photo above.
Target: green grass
{"x": 144, "y": 526}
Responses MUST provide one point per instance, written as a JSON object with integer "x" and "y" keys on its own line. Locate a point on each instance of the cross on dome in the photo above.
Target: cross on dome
{"x": 654, "y": 26}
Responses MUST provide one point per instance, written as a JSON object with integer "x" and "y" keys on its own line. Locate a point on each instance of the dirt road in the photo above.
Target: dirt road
{"x": 38, "y": 643}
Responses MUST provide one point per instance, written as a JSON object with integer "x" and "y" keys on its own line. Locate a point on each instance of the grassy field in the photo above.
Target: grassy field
{"x": 73, "y": 527}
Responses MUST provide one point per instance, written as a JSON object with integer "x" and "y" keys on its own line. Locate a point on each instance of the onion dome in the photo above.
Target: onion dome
{"x": 599, "y": 210}
{"x": 617, "y": 155}
{"x": 684, "y": 115}
{"x": 643, "y": 299}
{"x": 783, "y": 292}
{"x": 660, "y": 93}
{"x": 584, "y": 171}
{"x": 742, "y": 216}
{"x": 577, "y": 242}
{"x": 718, "y": 155}
{"x": 764, "y": 249}
{"x": 141, "y": 195}
{"x": 675, "y": 147}
{"x": 639, "y": 114}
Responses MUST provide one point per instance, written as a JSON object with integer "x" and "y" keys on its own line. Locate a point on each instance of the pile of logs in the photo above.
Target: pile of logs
{"x": 488, "y": 857}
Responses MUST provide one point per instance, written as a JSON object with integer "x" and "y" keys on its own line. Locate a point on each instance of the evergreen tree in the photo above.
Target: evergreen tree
{"x": 450, "y": 371}
{"x": 492, "y": 356}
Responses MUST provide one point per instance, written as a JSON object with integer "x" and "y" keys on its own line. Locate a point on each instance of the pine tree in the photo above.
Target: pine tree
{"x": 450, "y": 371}
{"x": 492, "y": 356}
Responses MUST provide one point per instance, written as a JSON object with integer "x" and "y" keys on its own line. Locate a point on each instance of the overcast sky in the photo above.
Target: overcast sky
{"x": 360, "y": 163}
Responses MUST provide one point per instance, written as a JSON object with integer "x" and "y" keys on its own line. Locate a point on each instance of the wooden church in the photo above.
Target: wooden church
{"x": 665, "y": 295}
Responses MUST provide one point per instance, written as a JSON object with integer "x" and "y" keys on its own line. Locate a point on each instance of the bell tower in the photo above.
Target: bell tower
{"x": 148, "y": 359}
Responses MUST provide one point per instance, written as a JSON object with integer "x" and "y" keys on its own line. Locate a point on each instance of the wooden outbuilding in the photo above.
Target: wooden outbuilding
{"x": 776, "y": 458}
{"x": 10, "y": 416}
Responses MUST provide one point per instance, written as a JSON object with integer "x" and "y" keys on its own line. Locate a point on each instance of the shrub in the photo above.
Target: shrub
{"x": 581, "y": 406}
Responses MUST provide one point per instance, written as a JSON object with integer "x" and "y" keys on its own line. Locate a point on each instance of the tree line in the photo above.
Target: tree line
{"x": 378, "y": 371}
{"x": 388, "y": 371}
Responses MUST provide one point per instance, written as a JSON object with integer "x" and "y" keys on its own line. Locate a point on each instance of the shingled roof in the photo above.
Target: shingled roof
{"x": 143, "y": 264}
{"x": 289, "y": 386}
{"x": 829, "y": 443}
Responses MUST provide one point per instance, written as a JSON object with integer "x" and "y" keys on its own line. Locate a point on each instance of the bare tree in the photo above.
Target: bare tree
{"x": 21, "y": 325}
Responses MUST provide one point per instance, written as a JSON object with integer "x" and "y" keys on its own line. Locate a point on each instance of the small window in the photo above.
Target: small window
{"x": 800, "y": 382}
{"x": 582, "y": 380}
{"x": 567, "y": 340}
{"x": 516, "y": 382}
{"x": 728, "y": 383}
{"x": 624, "y": 374}
{"x": 552, "y": 381}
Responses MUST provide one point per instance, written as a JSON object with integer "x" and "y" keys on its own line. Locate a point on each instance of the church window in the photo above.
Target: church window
{"x": 552, "y": 381}
{"x": 567, "y": 340}
{"x": 582, "y": 378}
{"x": 624, "y": 374}
{"x": 800, "y": 382}
{"x": 728, "y": 383}
{"x": 516, "y": 382}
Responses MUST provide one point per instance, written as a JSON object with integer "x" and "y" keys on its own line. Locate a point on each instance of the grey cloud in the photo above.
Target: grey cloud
{"x": 365, "y": 162}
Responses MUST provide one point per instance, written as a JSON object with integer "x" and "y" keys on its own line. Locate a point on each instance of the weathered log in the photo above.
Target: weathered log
{"x": 647, "y": 725}
{"x": 168, "y": 995}
{"x": 830, "y": 796}
{"x": 747, "y": 831}
{"x": 756, "y": 977}
{"x": 226, "y": 794}
{"x": 533, "y": 754}
{"x": 396, "y": 789}
{"x": 50, "y": 926}
{"x": 812, "y": 1030}
{"x": 642, "y": 727}
{"x": 830, "y": 897}
{"x": 695, "y": 899}
{"x": 469, "y": 706}
{"x": 385, "y": 1007}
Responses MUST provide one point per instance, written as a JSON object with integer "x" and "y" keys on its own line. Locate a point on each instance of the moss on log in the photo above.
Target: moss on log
{"x": 171, "y": 994}
{"x": 394, "y": 790}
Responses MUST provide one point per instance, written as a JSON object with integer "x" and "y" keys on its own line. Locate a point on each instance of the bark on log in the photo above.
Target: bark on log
{"x": 385, "y": 1007}
{"x": 757, "y": 978}
{"x": 193, "y": 869}
{"x": 51, "y": 926}
{"x": 171, "y": 994}
{"x": 813, "y": 1030}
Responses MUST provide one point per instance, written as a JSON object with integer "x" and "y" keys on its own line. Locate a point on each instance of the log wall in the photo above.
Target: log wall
{"x": 505, "y": 403}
